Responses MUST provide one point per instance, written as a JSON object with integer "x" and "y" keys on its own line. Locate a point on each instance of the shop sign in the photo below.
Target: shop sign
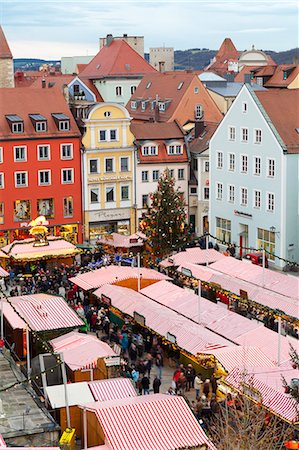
{"x": 110, "y": 178}
{"x": 171, "y": 338}
{"x": 139, "y": 318}
{"x": 112, "y": 361}
{"x": 186, "y": 272}
{"x": 252, "y": 392}
{"x": 242, "y": 214}
{"x": 112, "y": 214}
{"x": 106, "y": 300}
{"x": 243, "y": 294}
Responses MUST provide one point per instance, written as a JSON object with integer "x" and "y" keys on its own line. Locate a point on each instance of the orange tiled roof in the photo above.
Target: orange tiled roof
{"x": 201, "y": 143}
{"x": 118, "y": 59}
{"x": 81, "y": 67}
{"x": 281, "y": 105}
{"x": 227, "y": 50}
{"x": 4, "y": 48}
{"x": 57, "y": 81}
{"x": 239, "y": 78}
{"x": 24, "y": 101}
{"x": 277, "y": 80}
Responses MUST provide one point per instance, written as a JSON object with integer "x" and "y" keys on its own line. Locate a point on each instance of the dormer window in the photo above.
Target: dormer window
{"x": 133, "y": 104}
{"x": 161, "y": 106}
{"x": 285, "y": 74}
{"x": 39, "y": 122}
{"x": 143, "y": 105}
{"x": 150, "y": 150}
{"x": 16, "y": 123}
{"x": 62, "y": 121}
{"x": 175, "y": 149}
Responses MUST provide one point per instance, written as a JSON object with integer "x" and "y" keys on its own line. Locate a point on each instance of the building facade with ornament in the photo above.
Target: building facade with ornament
{"x": 40, "y": 171}
{"x": 108, "y": 172}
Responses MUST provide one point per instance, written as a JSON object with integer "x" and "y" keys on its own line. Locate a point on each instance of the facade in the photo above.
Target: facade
{"x": 253, "y": 57}
{"x": 136, "y": 42}
{"x": 108, "y": 172}
{"x": 6, "y": 63}
{"x": 69, "y": 63}
{"x": 159, "y": 146}
{"x": 162, "y": 58}
{"x": 40, "y": 170}
{"x": 254, "y": 163}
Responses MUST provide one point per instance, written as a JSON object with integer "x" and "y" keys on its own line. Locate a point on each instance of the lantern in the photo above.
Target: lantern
{"x": 291, "y": 444}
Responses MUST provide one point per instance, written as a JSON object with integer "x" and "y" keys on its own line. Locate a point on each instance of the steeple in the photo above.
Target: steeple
{"x": 227, "y": 50}
{"x": 6, "y": 63}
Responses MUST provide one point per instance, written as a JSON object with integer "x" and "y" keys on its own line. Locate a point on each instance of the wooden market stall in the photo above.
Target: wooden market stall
{"x": 116, "y": 243}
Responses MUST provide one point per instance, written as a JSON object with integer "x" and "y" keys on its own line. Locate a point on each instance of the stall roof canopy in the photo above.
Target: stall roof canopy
{"x": 77, "y": 393}
{"x": 3, "y": 272}
{"x": 112, "y": 389}
{"x": 26, "y": 250}
{"x": 81, "y": 350}
{"x": 42, "y": 312}
{"x": 156, "y": 421}
{"x": 193, "y": 255}
{"x": 117, "y": 240}
{"x": 113, "y": 274}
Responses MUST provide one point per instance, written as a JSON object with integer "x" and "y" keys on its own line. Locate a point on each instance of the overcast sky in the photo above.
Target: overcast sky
{"x": 51, "y": 29}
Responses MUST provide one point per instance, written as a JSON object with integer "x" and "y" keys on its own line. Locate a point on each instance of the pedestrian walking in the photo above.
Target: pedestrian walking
{"x": 156, "y": 385}
{"x": 145, "y": 383}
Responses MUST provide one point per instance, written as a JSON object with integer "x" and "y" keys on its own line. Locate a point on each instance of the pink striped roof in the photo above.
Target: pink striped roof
{"x": 2, "y": 442}
{"x": 3, "y": 272}
{"x": 241, "y": 357}
{"x": 150, "y": 422}
{"x": 42, "y": 312}
{"x": 81, "y": 350}
{"x": 112, "y": 389}
{"x": 269, "y": 384}
{"x": 193, "y": 255}
{"x": 120, "y": 241}
{"x": 112, "y": 274}
{"x": 3, "y": 255}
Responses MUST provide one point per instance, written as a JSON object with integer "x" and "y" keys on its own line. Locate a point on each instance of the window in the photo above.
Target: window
{"x": 206, "y": 193}
{"x": 133, "y": 104}
{"x": 223, "y": 229}
{"x": 144, "y": 201}
{"x": 231, "y": 162}
{"x": 231, "y": 193}
{"x": 64, "y": 125}
{"x": 206, "y": 166}
{"x": 219, "y": 191}
{"x": 20, "y": 154}
{"x": 45, "y": 207}
{"x": 22, "y": 210}
{"x": 148, "y": 85}
{"x": 43, "y": 152}
{"x": 94, "y": 195}
{"x": 181, "y": 174}
{"x": 257, "y": 199}
{"x": 17, "y": 127}
{"x": 257, "y": 136}
{"x": 244, "y": 196}
{"x": 195, "y": 164}
{"x": 244, "y": 107}
{"x": 161, "y": 106}
{"x": 68, "y": 207}
{"x": 124, "y": 192}
{"x": 118, "y": 91}
{"x": 66, "y": 151}
{"x": 143, "y": 106}
{"x": 271, "y": 167}
{"x": 259, "y": 81}
{"x": 151, "y": 150}
{"x": 266, "y": 240}
{"x": 133, "y": 89}
{"x": 219, "y": 160}
{"x": 113, "y": 135}
{"x": 156, "y": 175}
{"x": 40, "y": 126}
{"x": 21, "y": 179}
{"x": 196, "y": 90}
{"x": 110, "y": 194}
{"x": 1, "y": 212}
{"x": 244, "y": 163}
{"x": 144, "y": 176}
{"x": 171, "y": 173}
{"x": 174, "y": 149}
{"x": 67, "y": 176}
{"x": 257, "y": 165}
{"x": 102, "y": 135}
{"x": 1, "y": 155}
{"x": 193, "y": 190}
{"x": 93, "y": 166}
{"x": 44, "y": 177}
{"x": 270, "y": 201}
{"x": 109, "y": 165}
{"x": 232, "y": 133}
{"x": 1, "y": 180}
{"x": 180, "y": 85}
{"x": 124, "y": 164}
{"x": 244, "y": 134}
{"x": 107, "y": 114}
{"x": 198, "y": 112}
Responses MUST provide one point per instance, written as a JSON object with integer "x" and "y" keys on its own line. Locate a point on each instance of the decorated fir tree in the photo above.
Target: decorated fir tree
{"x": 293, "y": 387}
{"x": 165, "y": 222}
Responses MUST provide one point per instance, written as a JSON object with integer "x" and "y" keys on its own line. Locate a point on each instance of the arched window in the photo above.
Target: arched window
{"x": 118, "y": 91}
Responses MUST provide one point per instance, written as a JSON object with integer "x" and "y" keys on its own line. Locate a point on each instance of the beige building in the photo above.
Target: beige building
{"x": 162, "y": 58}
{"x": 136, "y": 42}
{"x": 6, "y": 63}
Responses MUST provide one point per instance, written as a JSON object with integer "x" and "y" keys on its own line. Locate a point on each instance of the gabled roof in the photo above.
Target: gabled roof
{"x": 277, "y": 79}
{"x": 156, "y": 130}
{"x": 118, "y": 59}
{"x": 227, "y": 50}
{"x": 281, "y": 105}
{"x": 201, "y": 143}
{"x": 4, "y": 48}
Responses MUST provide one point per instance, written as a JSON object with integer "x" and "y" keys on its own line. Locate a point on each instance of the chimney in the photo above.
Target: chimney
{"x": 125, "y": 35}
{"x": 247, "y": 78}
{"x": 199, "y": 128}
{"x": 156, "y": 111}
{"x": 109, "y": 39}
{"x": 43, "y": 83}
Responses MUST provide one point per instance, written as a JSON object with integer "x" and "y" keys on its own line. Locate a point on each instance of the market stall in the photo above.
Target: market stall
{"x": 122, "y": 245}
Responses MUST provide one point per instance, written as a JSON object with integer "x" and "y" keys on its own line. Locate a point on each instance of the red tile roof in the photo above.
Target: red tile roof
{"x": 57, "y": 81}
{"x": 24, "y": 101}
{"x": 239, "y": 78}
{"x": 118, "y": 59}
{"x": 227, "y": 50}
{"x": 201, "y": 143}
{"x": 282, "y": 106}
{"x": 4, "y": 48}
{"x": 277, "y": 79}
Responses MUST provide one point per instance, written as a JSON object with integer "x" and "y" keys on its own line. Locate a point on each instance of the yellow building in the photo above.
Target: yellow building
{"x": 108, "y": 172}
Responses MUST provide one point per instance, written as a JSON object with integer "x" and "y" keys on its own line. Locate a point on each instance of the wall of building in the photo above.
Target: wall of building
{"x": 162, "y": 58}
{"x": 6, "y": 73}
{"x": 291, "y": 163}
{"x": 69, "y": 63}
{"x": 107, "y": 89}
{"x": 295, "y": 83}
{"x": 136, "y": 42}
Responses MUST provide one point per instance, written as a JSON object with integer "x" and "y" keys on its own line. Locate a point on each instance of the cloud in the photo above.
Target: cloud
{"x": 260, "y": 30}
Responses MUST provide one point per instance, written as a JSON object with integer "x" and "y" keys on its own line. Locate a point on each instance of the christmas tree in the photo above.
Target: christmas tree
{"x": 165, "y": 222}
{"x": 293, "y": 387}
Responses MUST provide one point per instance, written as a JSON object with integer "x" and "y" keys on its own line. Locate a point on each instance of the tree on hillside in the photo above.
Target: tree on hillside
{"x": 165, "y": 221}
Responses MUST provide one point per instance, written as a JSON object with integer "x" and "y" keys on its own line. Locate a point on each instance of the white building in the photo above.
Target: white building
{"x": 254, "y": 165}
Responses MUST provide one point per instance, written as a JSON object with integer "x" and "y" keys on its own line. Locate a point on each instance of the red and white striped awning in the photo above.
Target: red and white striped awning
{"x": 112, "y": 389}
{"x": 150, "y": 422}
{"x": 268, "y": 383}
{"x": 41, "y": 311}
{"x": 2, "y": 442}
{"x": 113, "y": 274}
{"x": 241, "y": 357}
{"x": 3, "y": 272}
{"x": 193, "y": 255}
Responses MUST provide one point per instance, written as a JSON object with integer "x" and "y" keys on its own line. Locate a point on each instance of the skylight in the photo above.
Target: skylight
{"x": 148, "y": 85}
{"x": 180, "y": 85}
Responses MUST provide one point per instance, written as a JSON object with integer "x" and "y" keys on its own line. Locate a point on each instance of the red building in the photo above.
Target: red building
{"x": 39, "y": 164}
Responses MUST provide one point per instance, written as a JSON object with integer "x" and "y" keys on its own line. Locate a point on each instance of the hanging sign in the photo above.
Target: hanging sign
{"x": 186, "y": 272}
{"x": 139, "y": 318}
{"x": 243, "y": 294}
{"x": 171, "y": 338}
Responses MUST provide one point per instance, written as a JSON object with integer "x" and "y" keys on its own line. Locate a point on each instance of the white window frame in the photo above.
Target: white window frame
{"x": 113, "y": 164}
{"x": 133, "y": 89}
{"x": 254, "y": 166}
{"x": 39, "y": 177}
{"x": 269, "y": 174}
{"x": 116, "y": 135}
{"x": 128, "y": 165}
{"x": 177, "y": 148}
{"x": 26, "y": 177}
{"x": 64, "y": 125}
{"x": 25, "y": 153}
{"x": 118, "y": 91}
{"x": 206, "y": 189}
{"x": 133, "y": 104}
{"x": 198, "y": 111}
{"x": 98, "y": 166}
{"x": 244, "y": 133}
{"x": 156, "y": 172}
{"x": 231, "y": 199}
{"x": 196, "y": 90}
{"x": 41, "y": 126}
{"x": 72, "y": 177}
{"x": 241, "y": 196}
{"x": 15, "y": 125}
{"x": 99, "y": 195}
{"x": 219, "y": 190}
{"x": 63, "y": 202}
{"x": 99, "y": 135}
{"x": 257, "y": 191}
{"x": 71, "y": 150}
{"x": 206, "y": 166}
{"x": 244, "y": 107}
{"x": 219, "y": 160}
{"x": 255, "y": 135}
{"x": 232, "y": 133}
{"x": 120, "y": 189}
{"x": 243, "y": 158}
{"x": 1, "y": 155}
{"x": 143, "y": 180}
{"x": 150, "y": 149}
{"x": 183, "y": 177}
{"x": 161, "y": 106}
{"x": 231, "y": 167}
{"x": 268, "y": 194}
{"x": 2, "y": 184}
{"x": 112, "y": 186}
{"x": 49, "y": 152}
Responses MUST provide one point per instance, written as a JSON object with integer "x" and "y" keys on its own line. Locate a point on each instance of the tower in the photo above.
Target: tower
{"x": 6, "y": 63}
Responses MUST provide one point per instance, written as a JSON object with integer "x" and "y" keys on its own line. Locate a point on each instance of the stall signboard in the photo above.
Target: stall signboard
{"x": 139, "y": 318}
{"x": 252, "y": 392}
{"x": 106, "y": 300}
{"x": 243, "y": 294}
{"x": 186, "y": 272}
{"x": 171, "y": 338}
{"x": 112, "y": 361}
{"x": 215, "y": 286}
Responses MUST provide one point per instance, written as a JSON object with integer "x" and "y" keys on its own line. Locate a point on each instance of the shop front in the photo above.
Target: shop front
{"x": 108, "y": 221}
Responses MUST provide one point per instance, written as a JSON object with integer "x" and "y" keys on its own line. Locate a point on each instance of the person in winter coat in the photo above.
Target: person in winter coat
{"x": 156, "y": 385}
{"x": 207, "y": 389}
{"x": 190, "y": 375}
{"x": 145, "y": 383}
{"x": 198, "y": 385}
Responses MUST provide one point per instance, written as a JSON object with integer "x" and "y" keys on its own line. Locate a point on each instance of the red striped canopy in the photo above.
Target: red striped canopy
{"x": 112, "y": 389}
{"x": 3, "y": 272}
{"x": 2, "y": 442}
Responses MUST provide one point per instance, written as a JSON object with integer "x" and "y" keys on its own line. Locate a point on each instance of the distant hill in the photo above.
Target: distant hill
{"x": 31, "y": 63}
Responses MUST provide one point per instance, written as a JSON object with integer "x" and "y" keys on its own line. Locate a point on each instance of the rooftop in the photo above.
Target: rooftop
{"x": 232, "y": 89}
{"x": 4, "y": 47}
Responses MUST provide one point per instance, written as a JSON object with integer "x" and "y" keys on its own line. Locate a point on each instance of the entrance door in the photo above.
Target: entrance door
{"x": 192, "y": 223}
{"x": 243, "y": 241}
{"x": 205, "y": 224}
